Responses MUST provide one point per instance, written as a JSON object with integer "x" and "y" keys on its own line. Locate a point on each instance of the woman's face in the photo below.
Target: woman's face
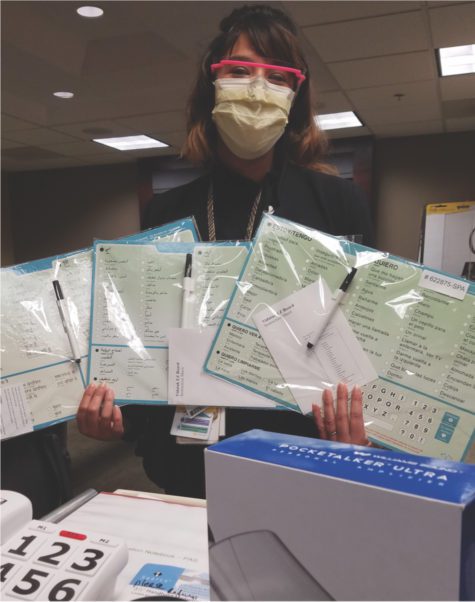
{"x": 243, "y": 52}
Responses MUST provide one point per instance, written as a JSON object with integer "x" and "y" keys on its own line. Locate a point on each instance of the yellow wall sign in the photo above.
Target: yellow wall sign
{"x": 452, "y": 207}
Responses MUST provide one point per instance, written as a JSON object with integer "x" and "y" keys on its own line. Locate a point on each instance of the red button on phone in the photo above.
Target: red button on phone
{"x": 72, "y": 535}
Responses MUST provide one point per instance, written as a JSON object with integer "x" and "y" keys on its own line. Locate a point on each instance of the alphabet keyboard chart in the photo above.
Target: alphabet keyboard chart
{"x": 416, "y": 326}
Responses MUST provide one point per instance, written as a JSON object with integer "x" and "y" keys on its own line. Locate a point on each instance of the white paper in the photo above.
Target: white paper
{"x": 167, "y": 531}
{"x": 15, "y": 413}
{"x": 288, "y": 325}
{"x": 215, "y": 271}
{"x": 36, "y": 355}
{"x": 137, "y": 297}
{"x": 189, "y": 385}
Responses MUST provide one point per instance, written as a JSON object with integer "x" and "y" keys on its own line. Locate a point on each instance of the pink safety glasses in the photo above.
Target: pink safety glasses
{"x": 276, "y": 74}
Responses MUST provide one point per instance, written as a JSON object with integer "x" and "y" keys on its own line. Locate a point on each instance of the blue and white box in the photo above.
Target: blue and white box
{"x": 293, "y": 518}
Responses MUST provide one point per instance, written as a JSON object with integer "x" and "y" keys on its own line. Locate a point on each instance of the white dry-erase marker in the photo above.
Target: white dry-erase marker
{"x": 188, "y": 299}
{"x": 67, "y": 329}
{"x": 337, "y": 299}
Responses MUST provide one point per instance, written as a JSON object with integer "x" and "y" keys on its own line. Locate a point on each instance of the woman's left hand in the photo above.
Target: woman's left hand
{"x": 339, "y": 425}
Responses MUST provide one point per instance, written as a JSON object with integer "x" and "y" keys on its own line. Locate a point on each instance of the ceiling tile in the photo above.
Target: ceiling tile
{"x": 376, "y": 36}
{"x": 408, "y": 129}
{"x": 26, "y": 109}
{"x": 41, "y": 35}
{"x": 158, "y": 122}
{"x": 333, "y": 102}
{"x": 38, "y": 136}
{"x": 130, "y": 51}
{"x": 321, "y": 80}
{"x": 386, "y": 70}
{"x": 135, "y": 67}
{"x": 10, "y": 123}
{"x": 80, "y": 149}
{"x": 453, "y": 25}
{"x": 96, "y": 129}
{"x": 461, "y": 124}
{"x": 107, "y": 159}
{"x": 400, "y": 113}
{"x": 53, "y": 163}
{"x": 457, "y": 109}
{"x": 131, "y": 102}
{"x": 175, "y": 139}
{"x": 457, "y": 87}
{"x": 43, "y": 78}
{"x": 30, "y": 153}
{"x": 315, "y": 13}
{"x": 439, "y": 3}
{"x": 12, "y": 165}
{"x": 9, "y": 144}
{"x": 385, "y": 96}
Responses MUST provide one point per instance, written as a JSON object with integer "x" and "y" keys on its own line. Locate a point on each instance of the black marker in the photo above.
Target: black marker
{"x": 188, "y": 298}
{"x": 337, "y": 299}
{"x": 67, "y": 329}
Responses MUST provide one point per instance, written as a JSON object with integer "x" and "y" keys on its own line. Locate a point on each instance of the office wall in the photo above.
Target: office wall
{"x": 8, "y": 256}
{"x": 61, "y": 210}
{"x": 411, "y": 172}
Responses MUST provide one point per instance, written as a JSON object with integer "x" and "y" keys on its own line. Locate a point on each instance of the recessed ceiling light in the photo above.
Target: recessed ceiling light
{"x": 63, "y": 94}
{"x": 125, "y": 143}
{"x": 457, "y": 60}
{"x": 90, "y": 12}
{"x": 336, "y": 121}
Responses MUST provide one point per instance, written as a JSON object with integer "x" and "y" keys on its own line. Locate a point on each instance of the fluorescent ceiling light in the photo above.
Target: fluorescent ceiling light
{"x": 63, "y": 94}
{"x": 457, "y": 60}
{"x": 90, "y": 12}
{"x": 336, "y": 121}
{"x": 125, "y": 143}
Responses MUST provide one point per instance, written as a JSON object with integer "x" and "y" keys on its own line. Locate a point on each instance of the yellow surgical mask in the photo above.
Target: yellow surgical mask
{"x": 250, "y": 114}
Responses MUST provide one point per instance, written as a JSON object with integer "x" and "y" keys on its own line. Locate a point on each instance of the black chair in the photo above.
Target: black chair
{"x": 37, "y": 465}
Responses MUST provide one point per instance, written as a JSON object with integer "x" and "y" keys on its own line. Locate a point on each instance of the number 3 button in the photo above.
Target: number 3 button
{"x": 87, "y": 561}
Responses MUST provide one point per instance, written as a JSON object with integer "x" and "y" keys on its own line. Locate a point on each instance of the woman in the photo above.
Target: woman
{"x": 251, "y": 124}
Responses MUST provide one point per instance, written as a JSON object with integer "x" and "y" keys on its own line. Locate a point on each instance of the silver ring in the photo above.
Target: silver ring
{"x": 332, "y": 433}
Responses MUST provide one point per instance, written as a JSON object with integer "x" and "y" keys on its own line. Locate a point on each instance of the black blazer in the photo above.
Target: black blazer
{"x": 321, "y": 201}
{"x": 310, "y": 198}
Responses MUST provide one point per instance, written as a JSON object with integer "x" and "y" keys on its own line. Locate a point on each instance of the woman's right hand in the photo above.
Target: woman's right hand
{"x": 97, "y": 416}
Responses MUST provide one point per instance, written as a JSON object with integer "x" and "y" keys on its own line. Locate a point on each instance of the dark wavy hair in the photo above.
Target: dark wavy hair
{"x": 272, "y": 35}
